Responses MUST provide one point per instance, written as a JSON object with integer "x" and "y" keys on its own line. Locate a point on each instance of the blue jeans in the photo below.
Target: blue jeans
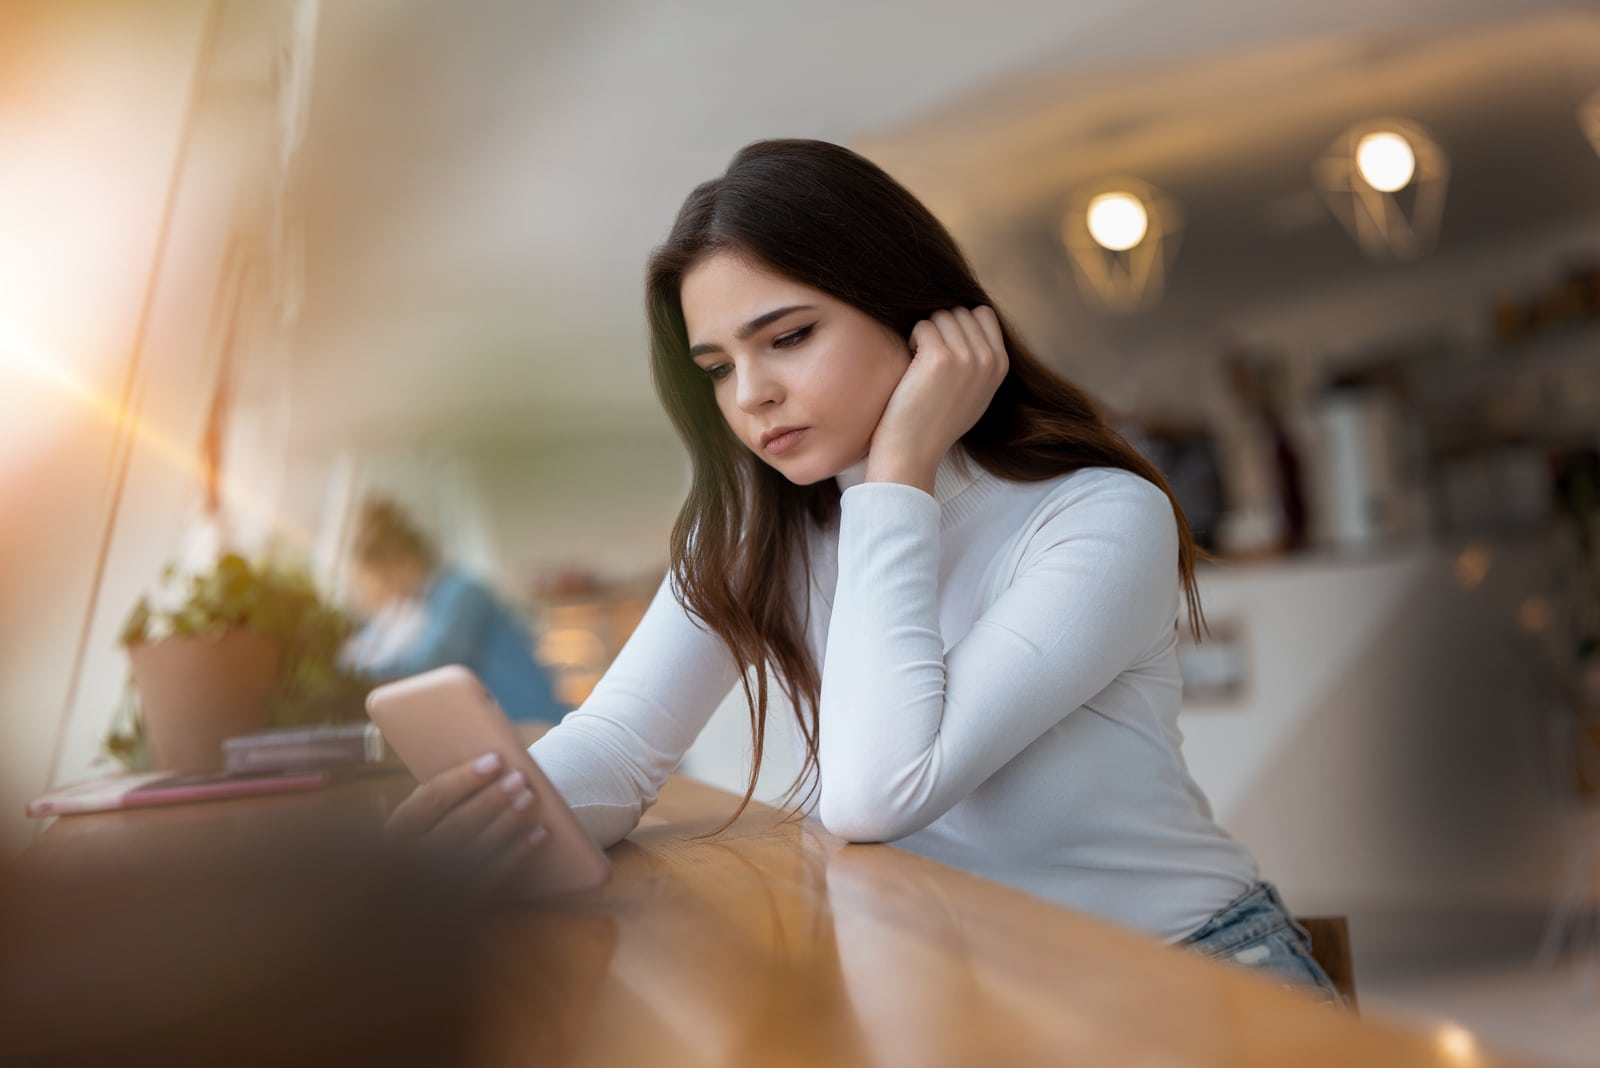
{"x": 1256, "y": 931}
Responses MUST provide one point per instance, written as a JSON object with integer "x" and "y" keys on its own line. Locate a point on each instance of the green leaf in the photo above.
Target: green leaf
{"x": 137, "y": 624}
{"x": 280, "y": 604}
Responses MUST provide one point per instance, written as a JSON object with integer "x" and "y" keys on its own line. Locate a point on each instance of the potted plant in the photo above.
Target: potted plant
{"x": 231, "y": 650}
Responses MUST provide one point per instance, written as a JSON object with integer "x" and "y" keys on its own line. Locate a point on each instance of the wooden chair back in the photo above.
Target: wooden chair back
{"x": 1330, "y": 946}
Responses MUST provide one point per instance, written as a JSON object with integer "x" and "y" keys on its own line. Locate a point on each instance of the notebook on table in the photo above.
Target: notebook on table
{"x": 308, "y": 748}
{"x": 169, "y": 788}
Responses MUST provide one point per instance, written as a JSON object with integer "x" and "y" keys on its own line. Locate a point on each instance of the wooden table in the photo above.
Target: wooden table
{"x": 776, "y": 944}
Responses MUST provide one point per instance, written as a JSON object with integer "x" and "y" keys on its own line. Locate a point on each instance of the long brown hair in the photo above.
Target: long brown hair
{"x": 833, "y": 220}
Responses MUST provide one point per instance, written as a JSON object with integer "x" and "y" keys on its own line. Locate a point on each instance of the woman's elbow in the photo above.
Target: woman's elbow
{"x": 863, "y": 821}
{"x": 606, "y": 825}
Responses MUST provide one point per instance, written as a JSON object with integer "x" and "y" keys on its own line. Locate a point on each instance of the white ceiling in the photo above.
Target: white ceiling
{"x": 488, "y": 177}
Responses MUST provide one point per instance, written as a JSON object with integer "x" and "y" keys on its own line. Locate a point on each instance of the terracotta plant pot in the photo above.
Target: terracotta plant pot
{"x": 196, "y": 692}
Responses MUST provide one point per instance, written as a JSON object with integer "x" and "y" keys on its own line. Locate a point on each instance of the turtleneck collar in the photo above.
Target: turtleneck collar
{"x": 956, "y": 475}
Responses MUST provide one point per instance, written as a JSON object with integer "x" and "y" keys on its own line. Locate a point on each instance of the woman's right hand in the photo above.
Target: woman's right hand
{"x": 477, "y": 812}
{"x": 958, "y": 360}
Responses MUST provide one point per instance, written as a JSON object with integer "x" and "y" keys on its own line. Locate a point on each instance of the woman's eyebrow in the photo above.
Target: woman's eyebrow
{"x": 764, "y": 319}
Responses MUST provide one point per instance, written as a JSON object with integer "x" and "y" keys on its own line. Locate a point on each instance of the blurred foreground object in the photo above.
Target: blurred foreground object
{"x": 266, "y": 950}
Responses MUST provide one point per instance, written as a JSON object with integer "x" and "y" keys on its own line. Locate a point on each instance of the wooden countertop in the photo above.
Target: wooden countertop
{"x": 776, "y": 944}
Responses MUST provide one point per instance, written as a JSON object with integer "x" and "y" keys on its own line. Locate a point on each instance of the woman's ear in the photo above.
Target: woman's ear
{"x": 906, "y": 346}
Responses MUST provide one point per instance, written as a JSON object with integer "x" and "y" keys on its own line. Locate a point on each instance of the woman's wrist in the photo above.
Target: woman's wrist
{"x": 906, "y": 470}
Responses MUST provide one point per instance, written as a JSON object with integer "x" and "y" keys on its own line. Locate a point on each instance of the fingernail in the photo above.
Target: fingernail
{"x": 523, "y": 800}
{"x": 486, "y": 763}
{"x": 538, "y": 834}
{"x": 512, "y": 781}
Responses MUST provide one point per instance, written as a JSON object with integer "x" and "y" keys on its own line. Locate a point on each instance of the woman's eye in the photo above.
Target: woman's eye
{"x": 792, "y": 338}
{"x": 719, "y": 372}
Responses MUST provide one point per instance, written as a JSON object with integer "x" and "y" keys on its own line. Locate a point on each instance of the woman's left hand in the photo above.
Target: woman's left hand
{"x": 958, "y": 360}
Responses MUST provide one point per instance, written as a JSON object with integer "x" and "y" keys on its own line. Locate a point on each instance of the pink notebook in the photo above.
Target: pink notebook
{"x": 169, "y": 788}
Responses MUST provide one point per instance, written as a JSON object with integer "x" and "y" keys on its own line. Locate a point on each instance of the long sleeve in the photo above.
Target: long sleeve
{"x": 609, "y": 758}
{"x": 909, "y": 730}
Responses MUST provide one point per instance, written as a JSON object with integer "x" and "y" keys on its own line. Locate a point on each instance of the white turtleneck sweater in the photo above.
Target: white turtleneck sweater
{"x": 1000, "y": 693}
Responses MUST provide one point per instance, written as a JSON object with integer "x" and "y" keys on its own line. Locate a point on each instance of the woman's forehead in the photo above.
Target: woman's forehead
{"x": 724, "y": 292}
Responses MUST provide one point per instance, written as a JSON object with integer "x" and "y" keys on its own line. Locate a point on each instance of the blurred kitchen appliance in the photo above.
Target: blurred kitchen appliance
{"x": 1367, "y": 481}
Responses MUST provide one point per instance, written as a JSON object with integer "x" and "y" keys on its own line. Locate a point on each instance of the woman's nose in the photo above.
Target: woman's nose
{"x": 757, "y": 387}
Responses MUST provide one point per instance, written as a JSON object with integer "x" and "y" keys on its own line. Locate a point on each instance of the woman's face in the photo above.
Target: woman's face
{"x": 802, "y": 378}
{"x": 390, "y": 578}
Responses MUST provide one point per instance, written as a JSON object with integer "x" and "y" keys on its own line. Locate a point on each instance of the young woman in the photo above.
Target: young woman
{"x": 964, "y": 585}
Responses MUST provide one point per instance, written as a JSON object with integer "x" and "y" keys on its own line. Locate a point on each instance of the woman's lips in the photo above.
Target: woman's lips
{"x": 784, "y": 442}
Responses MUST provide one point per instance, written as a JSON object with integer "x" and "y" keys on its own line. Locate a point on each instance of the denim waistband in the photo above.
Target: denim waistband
{"x": 1254, "y": 913}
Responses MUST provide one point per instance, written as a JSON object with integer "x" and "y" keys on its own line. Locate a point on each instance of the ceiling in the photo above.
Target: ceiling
{"x": 1232, "y": 140}
{"x": 485, "y": 179}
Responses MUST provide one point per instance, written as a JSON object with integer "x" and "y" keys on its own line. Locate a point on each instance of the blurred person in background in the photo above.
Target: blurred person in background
{"x": 423, "y": 614}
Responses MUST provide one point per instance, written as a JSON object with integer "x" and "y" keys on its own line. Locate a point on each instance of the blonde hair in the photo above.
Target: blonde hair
{"x": 385, "y": 533}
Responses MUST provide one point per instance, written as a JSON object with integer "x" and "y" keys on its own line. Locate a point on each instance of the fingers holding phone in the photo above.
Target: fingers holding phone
{"x": 482, "y": 794}
{"x": 476, "y": 811}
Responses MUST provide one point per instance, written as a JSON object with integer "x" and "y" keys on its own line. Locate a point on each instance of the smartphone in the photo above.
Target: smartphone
{"x": 445, "y": 717}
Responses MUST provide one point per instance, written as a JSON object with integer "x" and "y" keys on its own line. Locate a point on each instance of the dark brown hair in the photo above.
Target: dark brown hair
{"x": 833, "y": 220}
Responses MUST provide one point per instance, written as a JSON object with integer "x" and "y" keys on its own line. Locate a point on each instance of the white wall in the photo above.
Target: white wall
{"x": 161, "y": 497}
{"x": 605, "y": 502}
{"x": 90, "y": 126}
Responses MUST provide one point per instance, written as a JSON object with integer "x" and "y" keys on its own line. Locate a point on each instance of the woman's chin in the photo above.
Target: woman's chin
{"x": 801, "y": 477}
{"x": 802, "y": 473}
{"x": 809, "y": 470}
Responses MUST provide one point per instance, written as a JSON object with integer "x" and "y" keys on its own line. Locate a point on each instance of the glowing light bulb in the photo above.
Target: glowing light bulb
{"x": 1386, "y": 161}
{"x": 1117, "y": 221}
{"x": 1457, "y": 1044}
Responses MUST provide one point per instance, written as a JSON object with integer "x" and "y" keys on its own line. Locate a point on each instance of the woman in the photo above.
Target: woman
{"x": 426, "y": 615}
{"x": 963, "y": 583}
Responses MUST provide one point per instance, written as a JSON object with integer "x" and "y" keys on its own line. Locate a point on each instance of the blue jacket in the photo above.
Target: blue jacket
{"x": 466, "y": 625}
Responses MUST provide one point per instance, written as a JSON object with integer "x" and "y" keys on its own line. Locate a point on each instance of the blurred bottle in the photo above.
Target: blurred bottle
{"x": 1277, "y": 521}
{"x": 1370, "y": 490}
